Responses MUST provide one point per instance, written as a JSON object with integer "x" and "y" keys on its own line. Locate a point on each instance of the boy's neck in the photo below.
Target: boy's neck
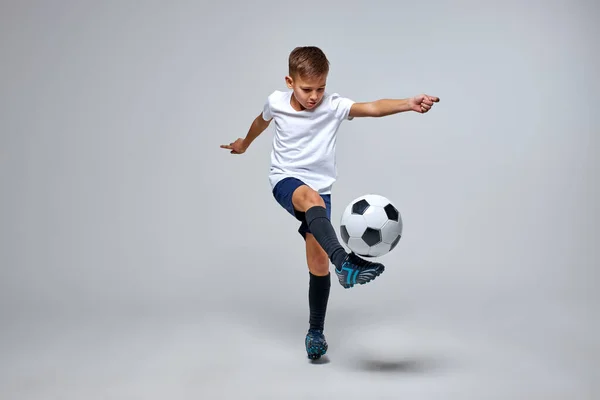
{"x": 294, "y": 103}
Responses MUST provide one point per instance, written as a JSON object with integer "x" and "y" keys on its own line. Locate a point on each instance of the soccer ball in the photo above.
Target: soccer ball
{"x": 371, "y": 225}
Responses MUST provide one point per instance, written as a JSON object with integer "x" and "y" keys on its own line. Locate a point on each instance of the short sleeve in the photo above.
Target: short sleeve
{"x": 341, "y": 106}
{"x": 266, "y": 113}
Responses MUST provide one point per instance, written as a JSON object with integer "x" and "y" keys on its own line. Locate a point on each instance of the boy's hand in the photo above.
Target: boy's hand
{"x": 422, "y": 103}
{"x": 236, "y": 147}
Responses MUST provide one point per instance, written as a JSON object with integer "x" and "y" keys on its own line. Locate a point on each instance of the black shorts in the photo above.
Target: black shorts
{"x": 283, "y": 192}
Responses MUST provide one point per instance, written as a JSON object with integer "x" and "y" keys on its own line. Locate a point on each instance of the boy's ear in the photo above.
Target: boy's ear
{"x": 289, "y": 81}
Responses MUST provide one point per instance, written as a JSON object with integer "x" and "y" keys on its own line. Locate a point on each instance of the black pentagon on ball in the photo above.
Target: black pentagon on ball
{"x": 371, "y": 236}
{"x": 344, "y": 233}
{"x": 360, "y": 207}
{"x": 391, "y": 212}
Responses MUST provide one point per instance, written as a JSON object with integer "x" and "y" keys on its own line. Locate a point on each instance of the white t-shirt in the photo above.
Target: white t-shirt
{"x": 304, "y": 141}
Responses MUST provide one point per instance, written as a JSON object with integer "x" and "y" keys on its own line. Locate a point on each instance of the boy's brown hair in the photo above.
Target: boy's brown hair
{"x": 308, "y": 62}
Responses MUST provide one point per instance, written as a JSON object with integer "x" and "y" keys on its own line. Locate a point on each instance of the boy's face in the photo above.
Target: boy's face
{"x": 308, "y": 92}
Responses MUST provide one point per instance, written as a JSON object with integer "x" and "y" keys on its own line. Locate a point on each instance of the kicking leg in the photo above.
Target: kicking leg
{"x": 309, "y": 202}
{"x": 349, "y": 268}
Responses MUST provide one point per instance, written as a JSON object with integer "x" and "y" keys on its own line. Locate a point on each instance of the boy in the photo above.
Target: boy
{"x": 303, "y": 171}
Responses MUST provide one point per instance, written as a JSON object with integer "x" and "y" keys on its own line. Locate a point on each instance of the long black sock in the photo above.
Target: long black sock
{"x": 321, "y": 228}
{"x": 318, "y": 295}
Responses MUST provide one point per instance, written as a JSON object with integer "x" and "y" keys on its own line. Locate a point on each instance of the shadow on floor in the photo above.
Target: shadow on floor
{"x": 404, "y": 366}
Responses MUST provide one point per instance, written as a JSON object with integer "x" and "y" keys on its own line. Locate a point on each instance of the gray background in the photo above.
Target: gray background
{"x": 140, "y": 261}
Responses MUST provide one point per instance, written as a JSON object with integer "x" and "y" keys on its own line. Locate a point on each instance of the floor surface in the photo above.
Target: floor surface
{"x": 237, "y": 355}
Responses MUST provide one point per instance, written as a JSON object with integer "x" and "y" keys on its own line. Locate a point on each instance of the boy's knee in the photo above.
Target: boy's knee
{"x": 319, "y": 265}
{"x": 316, "y": 257}
{"x": 315, "y": 198}
{"x": 306, "y": 197}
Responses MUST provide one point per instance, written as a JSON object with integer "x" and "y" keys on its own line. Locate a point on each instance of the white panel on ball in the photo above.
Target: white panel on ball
{"x": 357, "y": 245}
{"x": 355, "y": 224}
{"x": 391, "y": 230}
{"x": 379, "y": 249}
{"x": 375, "y": 216}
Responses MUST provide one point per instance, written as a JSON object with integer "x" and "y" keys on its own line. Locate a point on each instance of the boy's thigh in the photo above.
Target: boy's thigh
{"x": 283, "y": 192}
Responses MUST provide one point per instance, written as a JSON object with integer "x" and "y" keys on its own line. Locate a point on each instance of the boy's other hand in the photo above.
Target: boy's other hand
{"x": 422, "y": 103}
{"x": 236, "y": 147}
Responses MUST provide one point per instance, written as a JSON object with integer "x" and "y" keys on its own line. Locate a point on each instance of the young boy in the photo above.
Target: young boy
{"x": 303, "y": 171}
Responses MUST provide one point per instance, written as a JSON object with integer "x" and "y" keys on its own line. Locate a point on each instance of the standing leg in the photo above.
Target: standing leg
{"x": 318, "y": 264}
{"x": 318, "y": 296}
{"x": 319, "y": 286}
{"x": 319, "y": 283}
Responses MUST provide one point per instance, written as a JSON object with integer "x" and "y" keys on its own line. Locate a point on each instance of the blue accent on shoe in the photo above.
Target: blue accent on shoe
{"x": 355, "y": 270}
{"x": 316, "y": 345}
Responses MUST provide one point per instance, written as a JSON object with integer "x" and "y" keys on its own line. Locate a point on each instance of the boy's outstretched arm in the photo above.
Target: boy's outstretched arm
{"x": 383, "y": 107}
{"x": 241, "y": 144}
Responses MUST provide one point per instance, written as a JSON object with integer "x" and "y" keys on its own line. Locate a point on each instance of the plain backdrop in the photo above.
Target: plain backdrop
{"x": 139, "y": 260}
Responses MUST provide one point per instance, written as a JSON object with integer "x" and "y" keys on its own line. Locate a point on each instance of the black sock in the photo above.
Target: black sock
{"x": 322, "y": 230}
{"x": 318, "y": 295}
